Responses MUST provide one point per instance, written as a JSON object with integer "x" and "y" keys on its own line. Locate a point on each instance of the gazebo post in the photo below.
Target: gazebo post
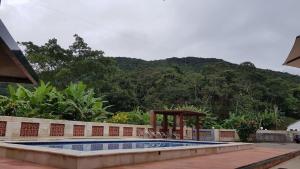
{"x": 197, "y": 128}
{"x": 176, "y": 113}
{"x": 165, "y": 123}
{"x": 174, "y": 124}
{"x": 181, "y": 125}
{"x": 154, "y": 124}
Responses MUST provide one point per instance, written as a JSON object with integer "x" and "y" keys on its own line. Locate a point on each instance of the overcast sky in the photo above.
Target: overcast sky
{"x": 260, "y": 31}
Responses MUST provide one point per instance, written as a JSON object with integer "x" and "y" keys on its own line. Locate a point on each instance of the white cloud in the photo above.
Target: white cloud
{"x": 16, "y": 2}
{"x": 251, "y": 30}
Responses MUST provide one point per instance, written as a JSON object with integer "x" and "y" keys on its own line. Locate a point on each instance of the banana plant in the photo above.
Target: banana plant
{"x": 76, "y": 102}
{"x": 80, "y": 103}
{"x": 15, "y": 103}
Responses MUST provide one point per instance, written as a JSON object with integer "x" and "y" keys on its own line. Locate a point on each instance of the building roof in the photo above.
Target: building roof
{"x": 14, "y": 67}
{"x": 294, "y": 57}
{"x": 178, "y": 112}
{"x": 294, "y": 126}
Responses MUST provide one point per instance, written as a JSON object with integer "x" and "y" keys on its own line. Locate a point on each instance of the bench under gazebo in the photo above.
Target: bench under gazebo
{"x": 176, "y": 113}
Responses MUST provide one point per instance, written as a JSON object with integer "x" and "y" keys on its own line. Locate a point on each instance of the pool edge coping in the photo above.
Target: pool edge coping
{"x": 75, "y": 153}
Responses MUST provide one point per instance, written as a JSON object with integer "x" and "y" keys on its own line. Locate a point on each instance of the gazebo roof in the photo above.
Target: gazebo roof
{"x": 14, "y": 67}
{"x": 178, "y": 112}
{"x": 294, "y": 57}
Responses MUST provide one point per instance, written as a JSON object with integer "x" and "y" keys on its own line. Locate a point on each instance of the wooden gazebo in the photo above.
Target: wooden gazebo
{"x": 293, "y": 58}
{"x": 175, "y": 113}
{"x": 14, "y": 67}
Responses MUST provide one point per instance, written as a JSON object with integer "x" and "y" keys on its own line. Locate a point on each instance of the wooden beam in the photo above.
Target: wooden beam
{"x": 174, "y": 127}
{"x": 9, "y": 49}
{"x": 197, "y": 128}
{"x": 174, "y": 123}
{"x": 165, "y": 123}
{"x": 14, "y": 79}
{"x": 154, "y": 122}
{"x": 181, "y": 125}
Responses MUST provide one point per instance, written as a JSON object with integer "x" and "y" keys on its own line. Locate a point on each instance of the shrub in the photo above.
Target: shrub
{"x": 134, "y": 117}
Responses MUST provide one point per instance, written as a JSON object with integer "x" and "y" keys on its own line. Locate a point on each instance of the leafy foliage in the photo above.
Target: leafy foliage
{"x": 41, "y": 102}
{"x": 134, "y": 117}
{"x": 80, "y": 104}
{"x": 76, "y": 102}
{"x": 247, "y": 124}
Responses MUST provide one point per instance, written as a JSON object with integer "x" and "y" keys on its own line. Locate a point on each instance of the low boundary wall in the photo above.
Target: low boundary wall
{"x": 30, "y": 128}
{"x": 223, "y": 135}
{"x": 21, "y": 128}
{"x": 279, "y": 136}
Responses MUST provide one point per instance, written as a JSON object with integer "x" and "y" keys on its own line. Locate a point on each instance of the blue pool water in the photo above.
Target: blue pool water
{"x": 113, "y": 145}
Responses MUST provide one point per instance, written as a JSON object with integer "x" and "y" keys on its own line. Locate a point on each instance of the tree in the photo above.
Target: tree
{"x": 78, "y": 63}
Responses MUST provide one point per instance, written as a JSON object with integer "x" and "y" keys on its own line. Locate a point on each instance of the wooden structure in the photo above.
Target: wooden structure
{"x": 14, "y": 67}
{"x": 293, "y": 58}
{"x": 175, "y": 113}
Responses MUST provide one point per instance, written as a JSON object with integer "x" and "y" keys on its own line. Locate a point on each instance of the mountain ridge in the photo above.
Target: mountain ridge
{"x": 186, "y": 61}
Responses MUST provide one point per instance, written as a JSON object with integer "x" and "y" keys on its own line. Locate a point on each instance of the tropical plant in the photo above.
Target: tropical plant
{"x": 76, "y": 102}
{"x": 41, "y": 102}
{"x": 270, "y": 118}
{"x": 80, "y": 103}
{"x": 247, "y": 123}
{"x": 12, "y": 105}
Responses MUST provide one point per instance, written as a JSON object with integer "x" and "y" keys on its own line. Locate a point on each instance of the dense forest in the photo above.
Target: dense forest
{"x": 127, "y": 84}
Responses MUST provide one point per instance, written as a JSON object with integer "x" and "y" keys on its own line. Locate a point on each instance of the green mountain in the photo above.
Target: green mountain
{"x": 126, "y": 83}
{"x": 187, "y": 63}
{"x": 194, "y": 64}
{"x": 222, "y": 86}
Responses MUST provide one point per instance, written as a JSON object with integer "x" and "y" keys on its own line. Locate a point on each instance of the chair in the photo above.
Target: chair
{"x": 149, "y": 134}
{"x": 164, "y": 135}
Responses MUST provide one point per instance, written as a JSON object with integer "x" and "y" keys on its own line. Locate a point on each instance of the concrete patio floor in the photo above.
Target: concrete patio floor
{"x": 229, "y": 160}
{"x": 216, "y": 161}
{"x": 6, "y": 163}
{"x": 291, "y": 164}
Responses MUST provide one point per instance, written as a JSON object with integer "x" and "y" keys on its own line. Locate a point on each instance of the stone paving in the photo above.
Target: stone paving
{"x": 279, "y": 145}
{"x": 229, "y": 160}
{"x": 216, "y": 161}
{"x": 291, "y": 164}
{"x": 6, "y": 163}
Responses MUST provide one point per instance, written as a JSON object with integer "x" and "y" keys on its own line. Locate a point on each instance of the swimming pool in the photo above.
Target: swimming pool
{"x": 115, "y": 145}
{"x": 96, "y": 153}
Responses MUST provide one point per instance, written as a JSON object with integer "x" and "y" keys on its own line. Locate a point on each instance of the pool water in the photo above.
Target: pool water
{"x": 114, "y": 145}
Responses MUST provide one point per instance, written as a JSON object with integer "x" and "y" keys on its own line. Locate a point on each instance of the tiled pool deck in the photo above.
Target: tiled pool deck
{"x": 71, "y": 159}
{"x": 228, "y": 160}
{"x": 6, "y": 163}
